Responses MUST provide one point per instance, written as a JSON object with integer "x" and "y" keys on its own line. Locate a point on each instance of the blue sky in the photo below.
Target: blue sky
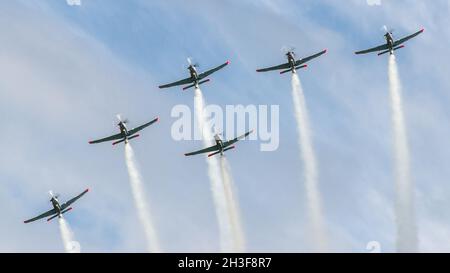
{"x": 67, "y": 70}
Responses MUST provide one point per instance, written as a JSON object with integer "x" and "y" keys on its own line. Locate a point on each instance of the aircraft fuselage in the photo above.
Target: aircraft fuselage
{"x": 194, "y": 75}
{"x": 219, "y": 143}
{"x": 56, "y": 205}
{"x": 123, "y": 130}
{"x": 390, "y": 42}
{"x": 291, "y": 60}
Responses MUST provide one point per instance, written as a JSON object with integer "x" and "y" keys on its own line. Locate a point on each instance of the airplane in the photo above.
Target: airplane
{"x": 220, "y": 147}
{"x": 391, "y": 44}
{"x": 292, "y": 64}
{"x": 125, "y": 135}
{"x": 196, "y": 78}
{"x": 58, "y": 209}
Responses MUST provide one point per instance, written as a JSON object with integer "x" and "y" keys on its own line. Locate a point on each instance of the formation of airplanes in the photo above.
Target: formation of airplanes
{"x": 197, "y": 79}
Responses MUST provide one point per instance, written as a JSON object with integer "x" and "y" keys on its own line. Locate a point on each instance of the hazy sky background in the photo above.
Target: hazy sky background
{"x": 68, "y": 69}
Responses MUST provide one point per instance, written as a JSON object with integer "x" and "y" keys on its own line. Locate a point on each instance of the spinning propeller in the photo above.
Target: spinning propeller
{"x": 189, "y": 60}
{"x": 119, "y": 117}
{"x": 55, "y": 196}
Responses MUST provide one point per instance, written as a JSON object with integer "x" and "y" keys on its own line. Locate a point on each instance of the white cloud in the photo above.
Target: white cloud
{"x": 73, "y": 2}
{"x": 373, "y": 2}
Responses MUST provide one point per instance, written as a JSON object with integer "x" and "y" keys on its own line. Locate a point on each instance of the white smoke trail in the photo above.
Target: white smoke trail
{"x": 232, "y": 205}
{"x": 229, "y": 242}
{"x": 309, "y": 160}
{"x": 70, "y": 245}
{"x": 140, "y": 201}
{"x": 405, "y": 216}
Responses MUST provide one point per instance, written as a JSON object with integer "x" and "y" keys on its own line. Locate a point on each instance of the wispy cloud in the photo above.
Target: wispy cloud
{"x": 73, "y": 2}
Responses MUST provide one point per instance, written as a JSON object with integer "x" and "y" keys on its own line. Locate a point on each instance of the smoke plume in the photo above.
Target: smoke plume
{"x": 231, "y": 236}
{"x": 70, "y": 245}
{"x": 140, "y": 202}
{"x": 317, "y": 228}
{"x": 405, "y": 216}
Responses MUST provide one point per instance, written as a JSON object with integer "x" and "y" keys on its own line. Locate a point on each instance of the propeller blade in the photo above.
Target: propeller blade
{"x": 286, "y": 49}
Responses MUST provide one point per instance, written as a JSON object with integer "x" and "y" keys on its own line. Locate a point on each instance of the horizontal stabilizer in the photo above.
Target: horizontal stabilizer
{"x": 202, "y": 82}
{"x": 64, "y": 211}
{"x": 117, "y": 142}
{"x": 229, "y": 148}
{"x": 214, "y": 154}
{"x": 383, "y": 52}
{"x": 302, "y": 66}
{"x": 53, "y": 217}
{"x": 189, "y": 86}
{"x": 402, "y": 46}
{"x": 135, "y": 136}
{"x": 287, "y": 70}
{"x": 192, "y": 85}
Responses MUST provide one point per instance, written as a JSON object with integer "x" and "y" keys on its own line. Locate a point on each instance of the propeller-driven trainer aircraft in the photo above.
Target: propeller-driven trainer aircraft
{"x": 220, "y": 147}
{"x": 292, "y": 64}
{"x": 125, "y": 135}
{"x": 58, "y": 209}
{"x": 196, "y": 78}
{"x": 391, "y": 44}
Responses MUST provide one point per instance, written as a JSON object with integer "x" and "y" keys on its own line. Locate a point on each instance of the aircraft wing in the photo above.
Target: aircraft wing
{"x": 209, "y": 72}
{"x": 277, "y": 67}
{"x": 68, "y": 203}
{"x": 202, "y": 151}
{"x": 113, "y": 137}
{"x": 374, "y": 49}
{"x": 181, "y": 82}
{"x": 234, "y": 140}
{"x": 401, "y": 41}
{"x": 43, "y": 215}
{"x": 137, "y": 129}
{"x": 307, "y": 59}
